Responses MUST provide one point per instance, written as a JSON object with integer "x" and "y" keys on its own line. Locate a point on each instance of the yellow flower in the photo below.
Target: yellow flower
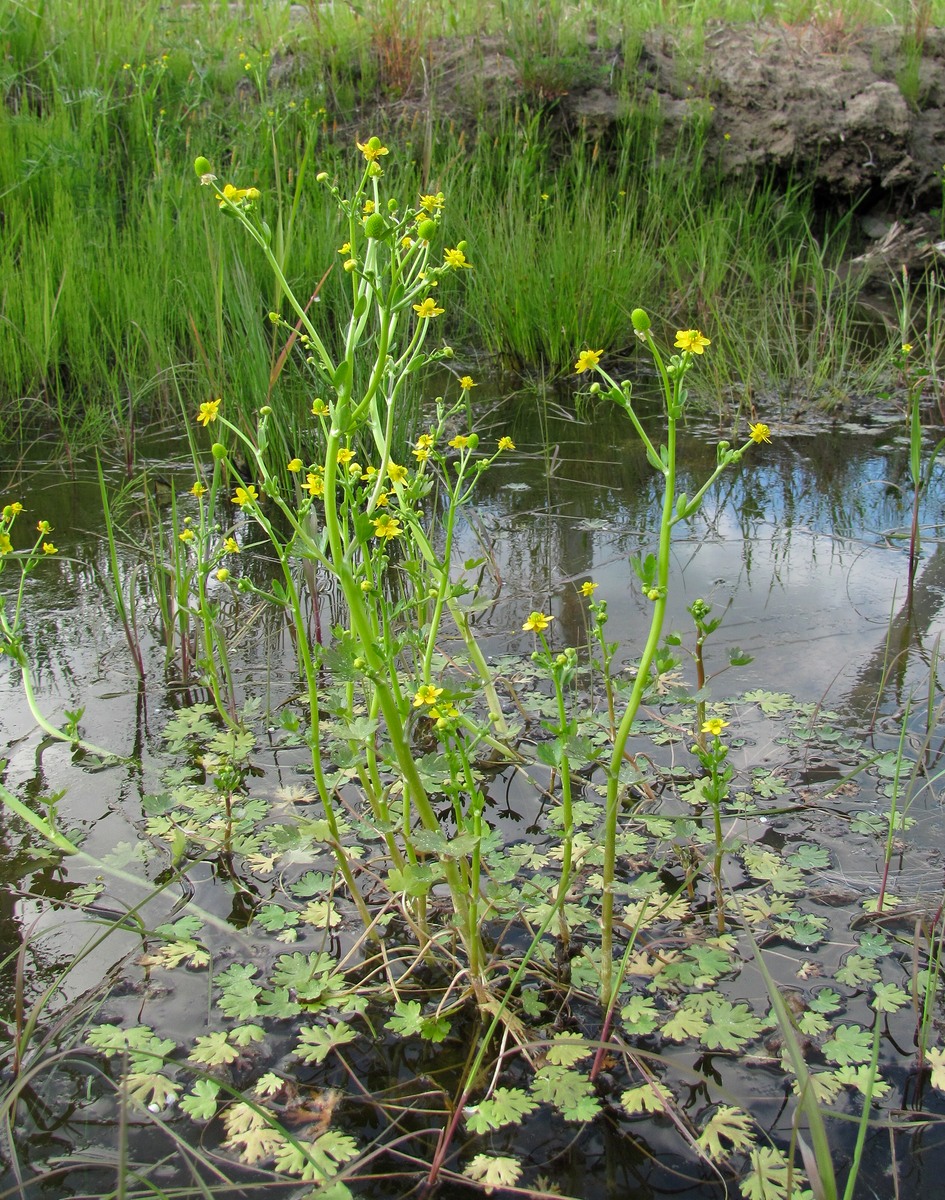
{"x": 208, "y": 412}
{"x": 345, "y": 249}
{"x": 714, "y": 725}
{"x": 506, "y": 443}
{"x": 294, "y": 465}
{"x": 691, "y": 340}
{"x": 231, "y": 546}
{"x": 428, "y": 308}
{"x": 426, "y": 695}
{"x": 396, "y": 473}
{"x": 425, "y": 441}
{"x": 467, "y": 382}
{"x": 431, "y": 204}
{"x": 456, "y": 259}
{"x": 314, "y": 485}
{"x": 319, "y": 408}
{"x": 223, "y": 574}
{"x": 406, "y": 241}
{"x": 368, "y": 207}
{"x": 587, "y": 360}
{"x": 6, "y": 546}
{"x": 237, "y": 195}
{"x": 372, "y": 149}
{"x": 12, "y": 510}
{"x": 588, "y": 588}
{"x": 420, "y": 453}
{"x": 442, "y": 713}
{"x": 537, "y": 622}
{"x": 245, "y": 495}
{"x": 43, "y": 527}
{"x": 460, "y": 442}
{"x": 345, "y": 455}
{"x": 382, "y": 498}
{"x": 907, "y": 347}
{"x": 759, "y": 432}
{"x": 386, "y": 527}
{"x": 187, "y": 535}
{"x": 49, "y": 548}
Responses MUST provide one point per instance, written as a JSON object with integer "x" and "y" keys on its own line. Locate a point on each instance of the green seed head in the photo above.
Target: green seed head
{"x": 640, "y": 320}
{"x": 427, "y": 229}
{"x": 202, "y": 166}
{"x": 376, "y": 227}
{"x": 218, "y": 450}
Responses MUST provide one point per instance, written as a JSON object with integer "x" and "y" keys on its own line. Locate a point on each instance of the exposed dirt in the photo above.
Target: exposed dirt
{"x": 859, "y": 113}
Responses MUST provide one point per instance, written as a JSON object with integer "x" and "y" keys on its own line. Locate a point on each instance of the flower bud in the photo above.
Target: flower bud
{"x": 392, "y": 205}
{"x": 321, "y": 176}
{"x": 202, "y": 166}
{"x": 218, "y": 450}
{"x": 265, "y": 410}
{"x": 640, "y": 320}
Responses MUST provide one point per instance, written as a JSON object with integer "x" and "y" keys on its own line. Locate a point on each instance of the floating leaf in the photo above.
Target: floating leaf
{"x": 863, "y": 1079}
{"x": 492, "y": 1172}
{"x": 506, "y": 1106}
{"x": 936, "y": 1061}
{"x": 888, "y": 997}
{"x": 826, "y": 1000}
{"x": 256, "y": 1143}
{"x": 857, "y": 970}
{"x": 683, "y": 1025}
{"x": 315, "y": 1041}
{"x": 651, "y": 1096}
{"x": 316, "y": 1161}
{"x": 730, "y": 1026}
{"x": 567, "y": 1049}
{"x": 772, "y": 1177}
{"x": 810, "y": 858}
{"x": 201, "y": 1103}
{"x": 569, "y": 1091}
{"x": 639, "y": 1015}
{"x": 213, "y": 1050}
{"x": 849, "y": 1044}
{"x": 772, "y": 704}
{"x": 150, "y": 1088}
{"x": 733, "y": 1125}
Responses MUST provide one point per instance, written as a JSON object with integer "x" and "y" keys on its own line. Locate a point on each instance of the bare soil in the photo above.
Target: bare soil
{"x": 859, "y": 113}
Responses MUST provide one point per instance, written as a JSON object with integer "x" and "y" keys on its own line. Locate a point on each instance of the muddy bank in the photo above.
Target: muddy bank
{"x": 858, "y": 113}
{"x": 855, "y": 112}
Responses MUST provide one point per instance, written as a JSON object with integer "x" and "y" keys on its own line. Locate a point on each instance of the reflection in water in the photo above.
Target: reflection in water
{"x": 796, "y": 547}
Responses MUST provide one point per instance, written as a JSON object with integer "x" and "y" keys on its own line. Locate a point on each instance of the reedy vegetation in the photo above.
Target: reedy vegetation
{"x": 399, "y": 720}
{"x": 119, "y": 296}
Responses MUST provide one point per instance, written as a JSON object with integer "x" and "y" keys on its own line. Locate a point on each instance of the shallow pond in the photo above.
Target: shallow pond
{"x": 803, "y": 552}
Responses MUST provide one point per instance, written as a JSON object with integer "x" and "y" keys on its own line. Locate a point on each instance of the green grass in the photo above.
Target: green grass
{"x": 118, "y": 291}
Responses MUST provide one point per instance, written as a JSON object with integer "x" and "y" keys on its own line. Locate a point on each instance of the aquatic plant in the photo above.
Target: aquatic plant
{"x": 456, "y": 935}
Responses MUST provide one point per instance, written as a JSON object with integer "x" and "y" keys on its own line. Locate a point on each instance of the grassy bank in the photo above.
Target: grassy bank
{"x": 119, "y": 297}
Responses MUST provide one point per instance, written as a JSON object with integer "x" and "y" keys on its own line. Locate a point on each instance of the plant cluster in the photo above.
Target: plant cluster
{"x": 562, "y": 969}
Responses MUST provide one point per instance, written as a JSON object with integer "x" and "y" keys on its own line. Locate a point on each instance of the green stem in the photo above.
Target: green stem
{"x": 633, "y": 704}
